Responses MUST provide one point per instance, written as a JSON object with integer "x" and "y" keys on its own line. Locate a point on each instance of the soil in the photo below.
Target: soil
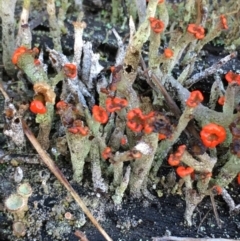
{"x": 135, "y": 220}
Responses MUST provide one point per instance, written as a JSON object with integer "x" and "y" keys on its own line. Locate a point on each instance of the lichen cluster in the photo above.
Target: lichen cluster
{"x": 127, "y": 120}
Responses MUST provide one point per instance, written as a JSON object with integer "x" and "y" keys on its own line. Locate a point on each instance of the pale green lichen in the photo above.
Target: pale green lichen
{"x": 80, "y": 95}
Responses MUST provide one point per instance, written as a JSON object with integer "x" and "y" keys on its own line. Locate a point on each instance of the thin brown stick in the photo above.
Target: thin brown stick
{"x": 4, "y": 93}
{"x": 55, "y": 170}
{"x": 215, "y": 210}
{"x": 81, "y": 235}
{"x": 171, "y": 103}
{"x": 205, "y": 216}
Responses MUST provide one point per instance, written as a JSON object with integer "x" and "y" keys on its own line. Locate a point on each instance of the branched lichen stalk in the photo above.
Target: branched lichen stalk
{"x": 206, "y": 165}
{"x": 202, "y": 114}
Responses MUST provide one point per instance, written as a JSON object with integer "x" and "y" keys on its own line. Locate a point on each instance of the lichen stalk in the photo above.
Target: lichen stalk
{"x": 119, "y": 191}
{"x": 117, "y": 173}
{"x": 54, "y": 27}
{"x": 97, "y": 179}
{"x": 78, "y": 41}
{"x": 229, "y": 103}
{"x": 116, "y": 11}
{"x": 228, "y": 172}
{"x": 192, "y": 199}
{"x": 205, "y": 165}
{"x": 45, "y": 125}
{"x": 24, "y": 37}
{"x": 34, "y": 72}
{"x": 141, "y": 9}
{"x": 165, "y": 145}
{"x": 142, "y": 166}
{"x": 8, "y": 38}
{"x": 79, "y": 147}
{"x": 62, "y": 15}
{"x": 202, "y": 114}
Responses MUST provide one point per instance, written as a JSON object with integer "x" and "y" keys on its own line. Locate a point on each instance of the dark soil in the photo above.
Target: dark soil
{"x": 137, "y": 219}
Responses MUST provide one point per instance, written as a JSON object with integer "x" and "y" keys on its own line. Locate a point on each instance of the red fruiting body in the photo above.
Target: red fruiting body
{"x": 37, "y": 62}
{"x": 123, "y": 140}
{"x": 156, "y": 25}
{"x": 174, "y": 159}
{"x": 135, "y": 120}
{"x": 107, "y": 152}
{"x": 168, "y": 53}
{"x": 194, "y": 99}
{"x": 221, "y": 100}
{"x": 78, "y": 128}
{"x": 217, "y": 189}
{"x": 61, "y": 104}
{"x": 17, "y": 53}
{"x": 184, "y": 171}
{"x": 83, "y": 130}
{"x": 232, "y": 77}
{"x": 223, "y": 21}
{"x": 73, "y": 130}
{"x": 197, "y": 30}
{"x": 149, "y": 121}
{"x": 70, "y": 70}
{"x": 115, "y": 104}
{"x": 99, "y": 114}
{"x": 212, "y": 135}
{"x": 37, "y": 107}
{"x": 161, "y": 136}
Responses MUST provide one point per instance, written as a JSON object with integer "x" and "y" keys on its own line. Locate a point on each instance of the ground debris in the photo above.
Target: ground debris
{"x": 171, "y": 238}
